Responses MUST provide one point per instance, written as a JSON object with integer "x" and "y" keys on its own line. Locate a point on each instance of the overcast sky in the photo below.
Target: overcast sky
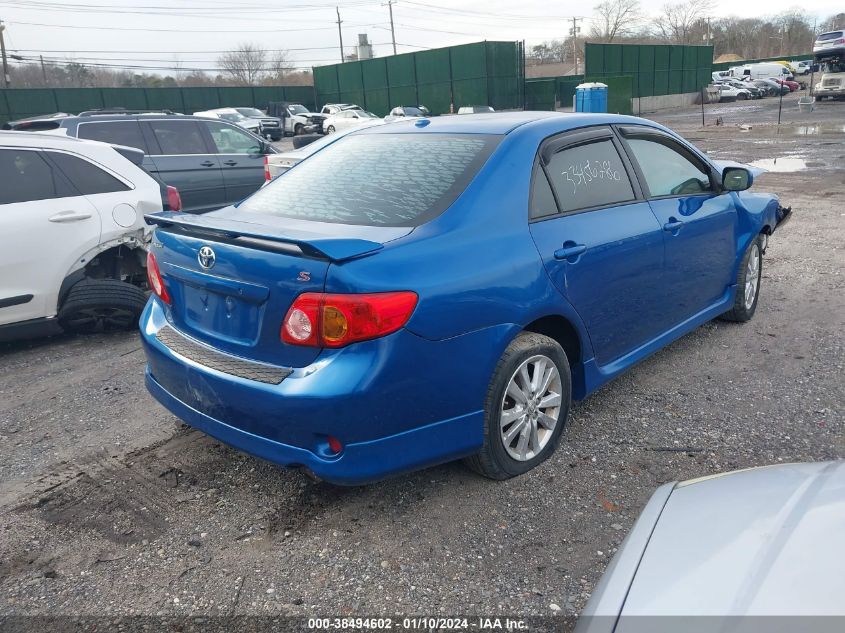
{"x": 160, "y": 33}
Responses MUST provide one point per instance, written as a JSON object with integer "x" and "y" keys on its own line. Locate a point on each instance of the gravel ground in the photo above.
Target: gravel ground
{"x": 109, "y": 507}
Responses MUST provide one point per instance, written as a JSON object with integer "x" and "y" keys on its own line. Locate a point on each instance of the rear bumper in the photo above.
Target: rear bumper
{"x": 832, "y": 91}
{"x": 397, "y": 404}
{"x": 357, "y": 463}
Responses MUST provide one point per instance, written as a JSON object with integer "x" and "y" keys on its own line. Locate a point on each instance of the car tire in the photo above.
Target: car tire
{"x": 747, "y": 284}
{"x": 330, "y": 130}
{"x": 508, "y": 451}
{"x": 101, "y": 305}
{"x": 297, "y": 129}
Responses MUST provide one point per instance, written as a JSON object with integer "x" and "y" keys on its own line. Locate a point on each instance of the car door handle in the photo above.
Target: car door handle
{"x": 69, "y": 216}
{"x": 570, "y": 250}
{"x": 207, "y": 163}
{"x": 231, "y": 163}
{"x": 673, "y": 225}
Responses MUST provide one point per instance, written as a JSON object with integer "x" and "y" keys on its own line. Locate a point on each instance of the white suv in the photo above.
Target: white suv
{"x": 72, "y": 234}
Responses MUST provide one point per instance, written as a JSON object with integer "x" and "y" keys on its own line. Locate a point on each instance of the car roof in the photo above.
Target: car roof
{"x": 37, "y": 139}
{"x": 502, "y": 122}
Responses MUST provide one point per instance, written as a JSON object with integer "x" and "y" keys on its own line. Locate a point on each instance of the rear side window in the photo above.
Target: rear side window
{"x": 27, "y": 176}
{"x": 230, "y": 140}
{"x": 542, "y": 200}
{"x": 377, "y": 179}
{"x": 179, "y": 137}
{"x": 126, "y": 133}
{"x": 86, "y": 177}
{"x": 590, "y": 175}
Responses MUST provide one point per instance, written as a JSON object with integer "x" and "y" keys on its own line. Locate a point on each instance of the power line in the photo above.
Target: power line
{"x": 268, "y": 50}
{"x": 158, "y": 30}
{"x": 507, "y": 16}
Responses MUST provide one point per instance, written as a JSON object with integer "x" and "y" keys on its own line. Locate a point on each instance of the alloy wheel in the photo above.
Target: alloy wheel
{"x": 530, "y": 408}
{"x": 752, "y": 276}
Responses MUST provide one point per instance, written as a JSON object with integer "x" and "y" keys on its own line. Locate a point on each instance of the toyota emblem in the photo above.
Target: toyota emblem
{"x": 206, "y": 257}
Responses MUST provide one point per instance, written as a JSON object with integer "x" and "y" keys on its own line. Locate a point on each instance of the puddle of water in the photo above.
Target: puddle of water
{"x": 784, "y": 164}
{"x": 813, "y": 130}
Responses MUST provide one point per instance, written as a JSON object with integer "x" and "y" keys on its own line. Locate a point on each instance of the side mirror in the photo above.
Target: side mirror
{"x": 736, "y": 179}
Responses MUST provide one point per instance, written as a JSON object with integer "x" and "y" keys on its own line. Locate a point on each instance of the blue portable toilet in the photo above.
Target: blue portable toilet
{"x": 591, "y": 97}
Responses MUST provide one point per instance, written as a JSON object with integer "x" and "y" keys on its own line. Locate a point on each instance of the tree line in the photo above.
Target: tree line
{"x": 247, "y": 65}
{"x": 692, "y": 22}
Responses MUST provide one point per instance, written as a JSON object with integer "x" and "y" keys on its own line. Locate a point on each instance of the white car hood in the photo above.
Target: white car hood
{"x": 765, "y": 541}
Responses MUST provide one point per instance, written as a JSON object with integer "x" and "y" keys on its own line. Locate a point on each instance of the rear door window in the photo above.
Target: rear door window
{"x": 179, "y": 137}
{"x": 86, "y": 177}
{"x": 126, "y": 133}
{"x": 589, "y": 175}
{"x": 377, "y": 179}
{"x": 230, "y": 140}
{"x": 27, "y": 176}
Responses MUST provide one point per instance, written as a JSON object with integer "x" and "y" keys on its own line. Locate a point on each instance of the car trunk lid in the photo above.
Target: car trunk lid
{"x": 232, "y": 280}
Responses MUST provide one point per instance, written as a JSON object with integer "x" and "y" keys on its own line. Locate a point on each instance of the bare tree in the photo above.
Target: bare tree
{"x": 278, "y": 69}
{"x": 245, "y": 65}
{"x": 616, "y": 18}
{"x": 677, "y": 21}
{"x": 548, "y": 52}
{"x": 833, "y": 23}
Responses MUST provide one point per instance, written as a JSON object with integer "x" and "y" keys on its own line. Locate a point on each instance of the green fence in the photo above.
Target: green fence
{"x": 20, "y": 103}
{"x": 620, "y": 90}
{"x": 655, "y": 69}
{"x": 566, "y": 88}
{"x": 540, "y": 94}
{"x": 484, "y": 73}
{"x": 728, "y": 65}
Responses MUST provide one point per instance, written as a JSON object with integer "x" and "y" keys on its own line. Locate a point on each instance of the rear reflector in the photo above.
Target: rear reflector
{"x": 155, "y": 279}
{"x": 335, "y": 445}
{"x": 267, "y": 169}
{"x": 336, "y": 320}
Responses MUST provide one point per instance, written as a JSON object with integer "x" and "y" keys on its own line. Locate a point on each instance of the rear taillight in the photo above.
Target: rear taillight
{"x": 335, "y": 320}
{"x": 174, "y": 200}
{"x": 154, "y": 277}
{"x": 267, "y": 169}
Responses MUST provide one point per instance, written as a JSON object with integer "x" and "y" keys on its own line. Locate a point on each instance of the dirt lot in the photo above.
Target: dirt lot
{"x": 108, "y": 507}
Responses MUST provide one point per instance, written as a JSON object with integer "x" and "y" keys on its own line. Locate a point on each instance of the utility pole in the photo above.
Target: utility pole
{"x": 573, "y": 32}
{"x": 43, "y": 70}
{"x": 340, "y": 35}
{"x": 392, "y": 33}
{"x": 7, "y": 80}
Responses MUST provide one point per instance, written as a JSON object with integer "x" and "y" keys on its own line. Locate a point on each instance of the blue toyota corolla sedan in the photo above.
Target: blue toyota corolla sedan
{"x": 447, "y": 291}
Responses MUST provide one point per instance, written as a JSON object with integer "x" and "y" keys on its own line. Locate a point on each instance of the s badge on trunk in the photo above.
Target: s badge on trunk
{"x": 206, "y": 257}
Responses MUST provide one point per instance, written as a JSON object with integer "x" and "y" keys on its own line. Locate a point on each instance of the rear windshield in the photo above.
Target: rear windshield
{"x": 377, "y": 179}
{"x": 830, "y": 36}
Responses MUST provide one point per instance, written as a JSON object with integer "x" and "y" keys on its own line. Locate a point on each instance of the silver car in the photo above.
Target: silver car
{"x": 760, "y": 542}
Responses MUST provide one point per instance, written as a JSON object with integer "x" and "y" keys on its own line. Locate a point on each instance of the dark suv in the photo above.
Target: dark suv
{"x": 211, "y": 162}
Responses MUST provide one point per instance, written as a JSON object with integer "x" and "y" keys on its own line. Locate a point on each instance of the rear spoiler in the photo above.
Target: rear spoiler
{"x": 333, "y": 248}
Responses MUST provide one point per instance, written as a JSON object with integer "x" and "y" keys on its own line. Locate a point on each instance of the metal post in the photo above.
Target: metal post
{"x": 780, "y": 103}
{"x": 392, "y": 32}
{"x": 702, "y": 107}
{"x": 6, "y": 78}
{"x": 339, "y": 35}
{"x": 43, "y": 69}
